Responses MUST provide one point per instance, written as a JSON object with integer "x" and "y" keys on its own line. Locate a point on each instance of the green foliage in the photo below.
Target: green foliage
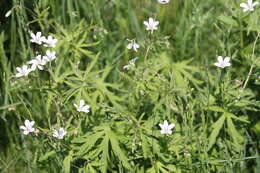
{"x": 215, "y": 111}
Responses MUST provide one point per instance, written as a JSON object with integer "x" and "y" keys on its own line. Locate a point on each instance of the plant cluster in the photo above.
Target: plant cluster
{"x": 182, "y": 95}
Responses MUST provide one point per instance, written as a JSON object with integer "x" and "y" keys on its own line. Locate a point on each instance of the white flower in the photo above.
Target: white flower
{"x": 163, "y": 1}
{"x": 60, "y": 133}
{"x": 131, "y": 64}
{"x": 50, "y": 41}
{"x": 8, "y": 13}
{"x": 151, "y": 24}
{"x": 166, "y": 128}
{"x": 28, "y": 128}
{"x": 37, "y": 38}
{"x": 222, "y": 63}
{"x": 50, "y": 55}
{"x": 132, "y": 45}
{"x": 38, "y": 62}
{"x": 249, "y": 6}
{"x": 82, "y": 107}
{"x": 22, "y": 71}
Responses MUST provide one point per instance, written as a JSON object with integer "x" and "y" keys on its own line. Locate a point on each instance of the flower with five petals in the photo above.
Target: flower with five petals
{"x": 151, "y": 24}
{"x": 82, "y": 107}
{"x": 163, "y": 1}
{"x": 50, "y": 41}
{"x": 60, "y": 133}
{"x": 222, "y": 63}
{"x": 38, "y": 62}
{"x": 249, "y": 6}
{"x": 28, "y": 127}
{"x": 166, "y": 128}
{"x": 37, "y": 38}
{"x": 132, "y": 45}
{"x": 50, "y": 55}
{"x": 131, "y": 64}
{"x": 22, "y": 71}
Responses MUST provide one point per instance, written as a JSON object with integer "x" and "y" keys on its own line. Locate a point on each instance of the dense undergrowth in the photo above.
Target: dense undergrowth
{"x": 215, "y": 110}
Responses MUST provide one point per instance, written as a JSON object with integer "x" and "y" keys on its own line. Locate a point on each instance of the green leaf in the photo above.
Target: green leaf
{"x": 228, "y": 20}
{"x": 89, "y": 142}
{"x": 216, "y": 129}
{"x": 145, "y": 146}
{"x": 235, "y": 117}
{"x": 237, "y": 138}
{"x": 215, "y": 109}
{"x": 67, "y": 162}
{"x": 117, "y": 150}
{"x": 104, "y": 146}
{"x": 46, "y": 156}
{"x": 226, "y": 113}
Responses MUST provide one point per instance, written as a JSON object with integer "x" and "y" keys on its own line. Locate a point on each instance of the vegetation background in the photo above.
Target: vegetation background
{"x": 216, "y": 111}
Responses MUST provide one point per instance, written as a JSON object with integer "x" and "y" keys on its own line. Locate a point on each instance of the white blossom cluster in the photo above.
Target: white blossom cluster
{"x": 28, "y": 128}
{"x": 57, "y": 133}
{"x": 39, "y": 61}
{"x": 151, "y": 25}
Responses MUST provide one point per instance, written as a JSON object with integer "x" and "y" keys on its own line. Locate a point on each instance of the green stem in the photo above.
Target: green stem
{"x": 146, "y": 53}
{"x": 253, "y": 63}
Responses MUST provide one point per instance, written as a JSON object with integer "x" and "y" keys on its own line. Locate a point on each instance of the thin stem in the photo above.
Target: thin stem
{"x": 146, "y": 53}
{"x": 252, "y": 66}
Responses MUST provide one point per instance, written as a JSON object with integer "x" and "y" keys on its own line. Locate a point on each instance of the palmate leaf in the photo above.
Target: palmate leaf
{"x": 234, "y": 134}
{"x": 228, "y": 114}
{"x": 91, "y": 85}
{"x": 75, "y": 41}
{"x": 114, "y": 141}
{"x": 102, "y": 145}
{"x": 88, "y": 141}
{"x": 159, "y": 167}
{"x": 92, "y": 167}
{"x": 183, "y": 72}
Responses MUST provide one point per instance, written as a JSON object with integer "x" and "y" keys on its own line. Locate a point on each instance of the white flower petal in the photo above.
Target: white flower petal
{"x": 26, "y": 132}
{"x": 243, "y": 5}
{"x": 40, "y": 67}
{"x": 165, "y": 123}
{"x": 161, "y": 125}
{"x": 226, "y": 60}
{"x": 32, "y": 35}
{"x": 129, "y": 46}
{"x": 18, "y": 69}
{"x": 81, "y": 103}
{"x": 217, "y": 64}
{"x": 85, "y": 109}
{"x": 75, "y": 105}
{"x": 55, "y": 133}
{"x": 23, "y": 127}
{"x": 27, "y": 123}
{"x": 220, "y": 59}
{"x": 171, "y": 126}
{"x": 32, "y": 123}
{"x": 38, "y": 34}
{"x": 227, "y": 64}
{"x": 31, "y": 130}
